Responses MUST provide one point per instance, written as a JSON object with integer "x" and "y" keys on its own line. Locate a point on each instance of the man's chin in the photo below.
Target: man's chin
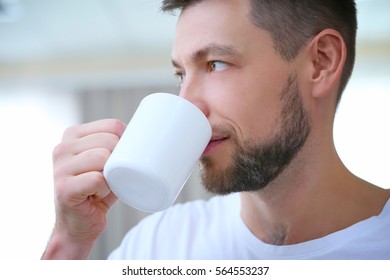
{"x": 213, "y": 180}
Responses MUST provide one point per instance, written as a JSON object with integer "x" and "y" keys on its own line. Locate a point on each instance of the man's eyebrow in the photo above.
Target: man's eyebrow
{"x": 213, "y": 50}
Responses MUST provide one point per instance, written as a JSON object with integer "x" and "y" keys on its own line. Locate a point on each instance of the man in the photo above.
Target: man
{"x": 268, "y": 75}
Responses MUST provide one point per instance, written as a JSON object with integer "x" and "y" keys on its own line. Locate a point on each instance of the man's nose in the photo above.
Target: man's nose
{"x": 195, "y": 95}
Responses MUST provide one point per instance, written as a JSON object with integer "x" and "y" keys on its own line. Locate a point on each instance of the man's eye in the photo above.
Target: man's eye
{"x": 217, "y": 66}
{"x": 180, "y": 77}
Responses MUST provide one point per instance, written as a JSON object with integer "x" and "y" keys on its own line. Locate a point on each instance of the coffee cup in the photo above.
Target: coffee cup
{"x": 157, "y": 152}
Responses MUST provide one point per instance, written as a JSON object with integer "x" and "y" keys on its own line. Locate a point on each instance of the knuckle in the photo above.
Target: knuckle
{"x": 58, "y": 151}
{"x": 59, "y": 172}
{"x": 61, "y": 189}
{"x": 70, "y": 131}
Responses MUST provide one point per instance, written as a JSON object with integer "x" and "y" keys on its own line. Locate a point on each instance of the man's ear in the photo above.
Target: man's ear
{"x": 327, "y": 55}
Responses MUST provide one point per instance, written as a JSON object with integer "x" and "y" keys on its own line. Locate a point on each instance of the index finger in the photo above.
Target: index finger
{"x": 113, "y": 126}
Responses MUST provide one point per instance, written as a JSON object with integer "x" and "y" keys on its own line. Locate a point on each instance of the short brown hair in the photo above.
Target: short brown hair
{"x": 292, "y": 23}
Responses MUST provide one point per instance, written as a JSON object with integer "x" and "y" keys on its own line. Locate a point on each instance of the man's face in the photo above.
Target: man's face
{"x": 230, "y": 70}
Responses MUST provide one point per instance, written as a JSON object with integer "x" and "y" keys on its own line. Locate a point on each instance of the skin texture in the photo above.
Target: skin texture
{"x": 236, "y": 78}
{"x": 83, "y": 197}
{"x": 230, "y": 70}
{"x": 255, "y": 164}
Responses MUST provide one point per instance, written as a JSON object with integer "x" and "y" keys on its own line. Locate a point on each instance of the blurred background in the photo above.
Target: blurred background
{"x": 66, "y": 62}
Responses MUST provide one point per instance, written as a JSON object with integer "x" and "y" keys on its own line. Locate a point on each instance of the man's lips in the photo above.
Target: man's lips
{"x": 215, "y": 141}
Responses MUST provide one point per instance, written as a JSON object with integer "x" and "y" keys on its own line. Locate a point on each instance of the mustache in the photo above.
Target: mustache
{"x": 224, "y": 130}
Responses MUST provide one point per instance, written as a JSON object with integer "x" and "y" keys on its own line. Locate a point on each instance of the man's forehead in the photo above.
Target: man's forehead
{"x": 210, "y": 25}
{"x": 215, "y": 10}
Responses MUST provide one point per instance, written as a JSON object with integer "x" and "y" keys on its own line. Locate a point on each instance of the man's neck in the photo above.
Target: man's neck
{"x": 309, "y": 200}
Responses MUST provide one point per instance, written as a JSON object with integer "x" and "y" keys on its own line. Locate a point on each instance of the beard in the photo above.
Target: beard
{"x": 255, "y": 165}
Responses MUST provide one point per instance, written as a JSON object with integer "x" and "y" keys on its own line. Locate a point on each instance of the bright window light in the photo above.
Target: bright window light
{"x": 32, "y": 123}
{"x": 362, "y": 131}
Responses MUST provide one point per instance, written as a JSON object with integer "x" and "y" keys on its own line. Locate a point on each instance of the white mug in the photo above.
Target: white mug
{"x": 157, "y": 152}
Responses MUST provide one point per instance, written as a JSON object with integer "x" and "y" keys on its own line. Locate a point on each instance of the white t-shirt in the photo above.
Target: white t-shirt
{"x": 214, "y": 230}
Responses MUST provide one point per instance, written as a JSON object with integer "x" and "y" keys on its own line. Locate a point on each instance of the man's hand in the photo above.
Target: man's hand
{"x": 82, "y": 196}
